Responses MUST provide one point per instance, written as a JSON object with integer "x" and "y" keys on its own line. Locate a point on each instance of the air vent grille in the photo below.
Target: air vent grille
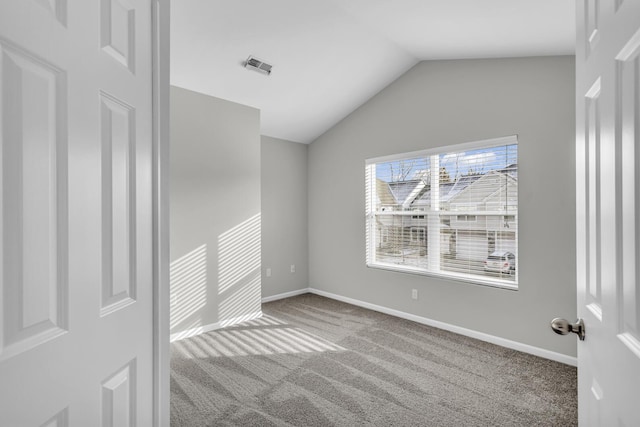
{"x": 253, "y": 63}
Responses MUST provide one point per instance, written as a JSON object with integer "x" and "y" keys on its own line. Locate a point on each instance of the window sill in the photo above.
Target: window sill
{"x": 494, "y": 283}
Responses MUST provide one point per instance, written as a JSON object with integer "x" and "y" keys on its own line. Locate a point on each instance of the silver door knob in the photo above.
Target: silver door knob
{"x": 563, "y": 327}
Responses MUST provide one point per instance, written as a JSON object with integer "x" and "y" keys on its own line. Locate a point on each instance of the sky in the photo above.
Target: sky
{"x": 456, "y": 163}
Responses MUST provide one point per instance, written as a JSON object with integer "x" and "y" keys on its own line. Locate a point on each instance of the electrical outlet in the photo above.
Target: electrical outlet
{"x": 293, "y": 268}
{"x": 268, "y": 272}
{"x": 414, "y": 293}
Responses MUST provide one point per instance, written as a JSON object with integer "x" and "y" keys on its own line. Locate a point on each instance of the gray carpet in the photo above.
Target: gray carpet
{"x": 313, "y": 361}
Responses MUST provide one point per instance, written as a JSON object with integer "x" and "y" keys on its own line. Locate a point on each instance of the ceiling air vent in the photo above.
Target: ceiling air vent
{"x": 258, "y": 65}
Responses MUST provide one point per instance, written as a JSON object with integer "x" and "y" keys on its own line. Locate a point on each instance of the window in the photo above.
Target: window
{"x": 417, "y": 234}
{"x": 449, "y": 212}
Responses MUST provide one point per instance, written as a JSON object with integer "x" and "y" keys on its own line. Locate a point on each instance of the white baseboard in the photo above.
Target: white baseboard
{"x": 285, "y": 295}
{"x": 514, "y": 345}
{"x": 213, "y": 326}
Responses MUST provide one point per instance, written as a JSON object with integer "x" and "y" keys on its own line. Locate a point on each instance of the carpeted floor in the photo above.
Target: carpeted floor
{"x": 313, "y": 361}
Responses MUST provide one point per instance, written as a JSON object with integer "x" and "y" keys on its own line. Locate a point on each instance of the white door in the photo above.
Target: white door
{"x": 608, "y": 211}
{"x": 76, "y": 213}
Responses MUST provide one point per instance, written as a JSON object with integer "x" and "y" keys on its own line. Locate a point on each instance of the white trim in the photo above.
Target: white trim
{"x": 213, "y": 326}
{"x": 485, "y": 143}
{"x": 194, "y": 331}
{"x": 444, "y": 213}
{"x": 160, "y": 181}
{"x": 514, "y": 345}
{"x": 449, "y": 275}
{"x": 285, "y": 295}
{"x": 503, "y": 342}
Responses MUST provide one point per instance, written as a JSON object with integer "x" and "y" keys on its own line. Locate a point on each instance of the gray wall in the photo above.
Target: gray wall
{"x": 438, "y": 103}
{"x": 215, "y": 210}
{"x": 284, "y": 216}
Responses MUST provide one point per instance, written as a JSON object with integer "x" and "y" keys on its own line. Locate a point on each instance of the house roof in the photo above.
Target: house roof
{"x": 385, "y": 196}
{"x": 425, "y": 198}
{"x": 460, "y": 184}
{"x": 331, "y": 56}
{"x": 511, "y": 170}
{"x": 402, "y": 189}
{"x": 396, "y": 193}
{"x": 477, "y": 191}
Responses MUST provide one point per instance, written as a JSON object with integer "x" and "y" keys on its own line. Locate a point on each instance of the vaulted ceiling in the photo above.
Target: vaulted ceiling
{"x": 331, "y": 56}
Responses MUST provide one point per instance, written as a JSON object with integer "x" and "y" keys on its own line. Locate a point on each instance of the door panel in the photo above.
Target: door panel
{"x": 33, "y": 197}
{"x": 627, "y": 98}
{"x": 76, "y": 326}
{"x": 118, "y": 408}
{"x": 117, "y": 31}
{"x": 593, "y": 154}
{"x": 117, "y": 126}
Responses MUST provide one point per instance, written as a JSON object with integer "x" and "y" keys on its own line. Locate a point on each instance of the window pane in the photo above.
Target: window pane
{"x": 451, "y": 213}
{"x": 400, "y": 230}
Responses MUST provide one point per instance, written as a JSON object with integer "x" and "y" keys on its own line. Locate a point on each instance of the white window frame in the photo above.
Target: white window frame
{"x": 433, "y": 216}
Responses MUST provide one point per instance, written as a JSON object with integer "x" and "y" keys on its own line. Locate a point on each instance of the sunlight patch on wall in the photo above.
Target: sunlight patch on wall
{"x": 238, "y": 252}
{"x": 242, "y": 300}
{"x": 188, "y": 295}
{"x": 239, "y": 275}
{"x": 257, "y": 337}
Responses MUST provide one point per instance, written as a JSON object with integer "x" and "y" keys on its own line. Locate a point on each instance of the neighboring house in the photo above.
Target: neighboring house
{"x": 479, "y": 214}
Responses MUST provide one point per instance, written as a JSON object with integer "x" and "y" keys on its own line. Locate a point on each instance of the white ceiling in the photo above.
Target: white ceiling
{"x": 330, "y": 56}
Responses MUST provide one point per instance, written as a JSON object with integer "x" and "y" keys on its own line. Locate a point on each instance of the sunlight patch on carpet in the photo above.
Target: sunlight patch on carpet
{"x": 256, "y": 337}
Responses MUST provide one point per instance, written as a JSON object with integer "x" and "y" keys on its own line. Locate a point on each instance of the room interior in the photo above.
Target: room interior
{"x": 354, "y": 212}
{"x": 267, "y": 169}
{"x": 299, "y": 196}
